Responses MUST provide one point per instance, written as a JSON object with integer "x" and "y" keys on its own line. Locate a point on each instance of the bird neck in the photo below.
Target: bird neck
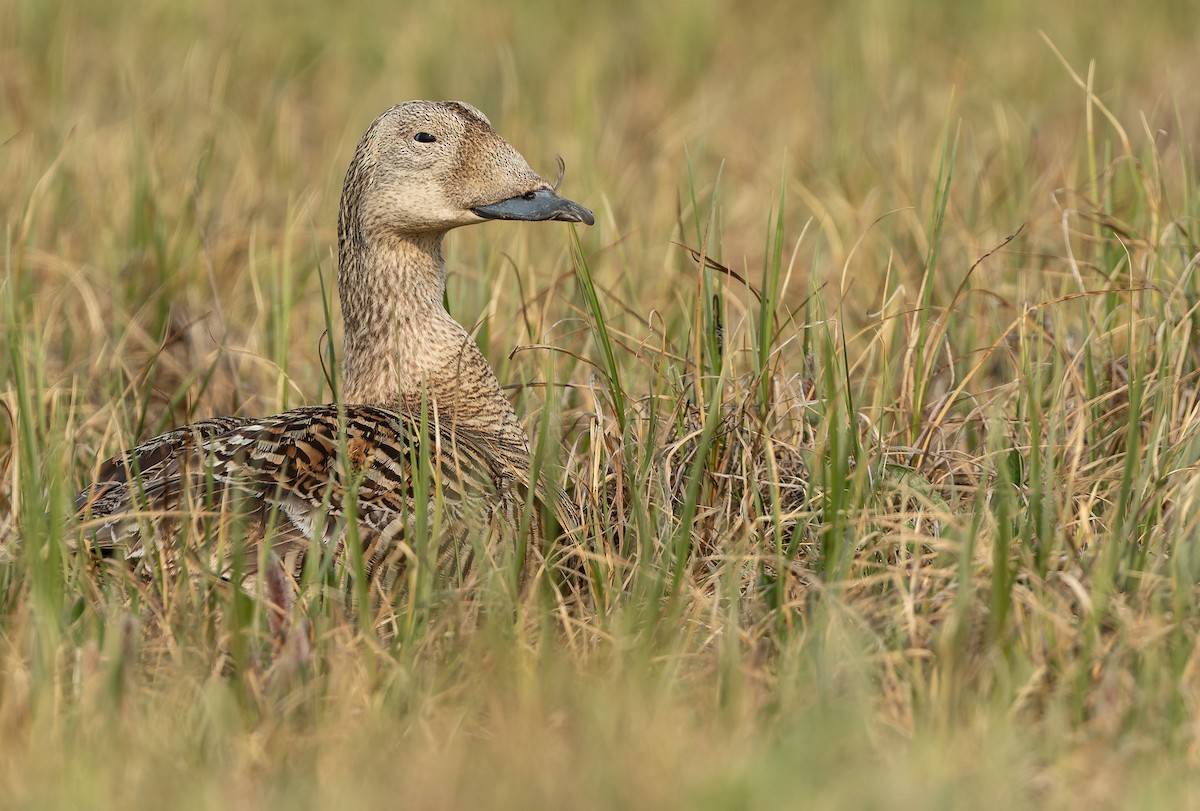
{"x": 403, "y": 348}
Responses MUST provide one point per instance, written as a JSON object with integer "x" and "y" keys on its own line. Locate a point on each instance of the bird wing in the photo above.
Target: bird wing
{"x": 298, "y": 475}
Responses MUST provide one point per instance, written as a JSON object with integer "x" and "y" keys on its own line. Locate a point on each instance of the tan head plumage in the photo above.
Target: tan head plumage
{"x": 429, "y": 166}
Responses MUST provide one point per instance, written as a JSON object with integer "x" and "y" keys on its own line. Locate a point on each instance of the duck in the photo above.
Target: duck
{"x": 416, "y": 390}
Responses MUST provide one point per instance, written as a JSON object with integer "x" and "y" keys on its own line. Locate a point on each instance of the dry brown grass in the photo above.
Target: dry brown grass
{"x": 931, "y": 544}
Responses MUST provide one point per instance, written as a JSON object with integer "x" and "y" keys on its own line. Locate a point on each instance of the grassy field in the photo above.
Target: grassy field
{"x": 890, "y": 481}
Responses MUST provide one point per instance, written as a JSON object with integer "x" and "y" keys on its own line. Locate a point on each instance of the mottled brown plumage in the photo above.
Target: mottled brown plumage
{"x": 415, "y": 384}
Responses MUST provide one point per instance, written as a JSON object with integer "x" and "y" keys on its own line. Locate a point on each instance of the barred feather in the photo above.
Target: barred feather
{"x": 301, "y": 473}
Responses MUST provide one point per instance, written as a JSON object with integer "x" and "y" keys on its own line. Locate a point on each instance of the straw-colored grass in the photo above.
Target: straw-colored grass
{"x": 876, "y": 382}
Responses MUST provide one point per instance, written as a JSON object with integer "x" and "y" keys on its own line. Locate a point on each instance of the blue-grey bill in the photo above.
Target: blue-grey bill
{"x": 539, "y": 205}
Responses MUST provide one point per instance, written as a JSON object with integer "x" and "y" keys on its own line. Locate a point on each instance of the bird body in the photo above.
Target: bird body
{"x": 425, "y": 441}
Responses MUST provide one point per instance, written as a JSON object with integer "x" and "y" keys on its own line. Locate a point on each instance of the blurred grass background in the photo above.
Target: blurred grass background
{"x": 1024, "y": 637}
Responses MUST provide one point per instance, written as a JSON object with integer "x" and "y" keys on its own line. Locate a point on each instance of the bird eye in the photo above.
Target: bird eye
{"x": 424, "y": 138}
